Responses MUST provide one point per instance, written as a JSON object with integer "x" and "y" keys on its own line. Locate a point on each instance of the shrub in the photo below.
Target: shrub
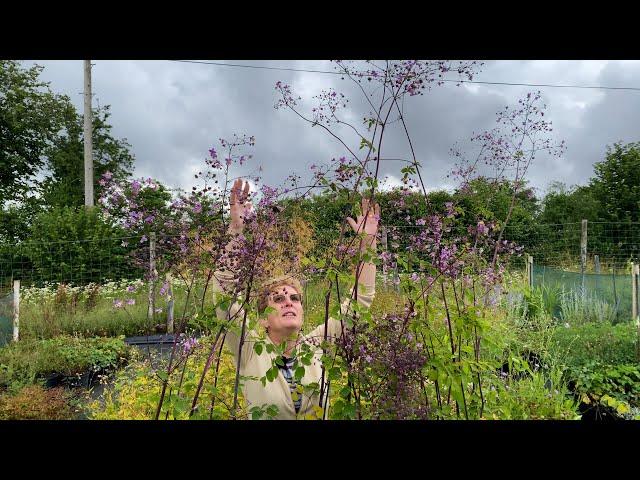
{"x": 578, "y": 308}
{"x": 135, "y": 393}
{"x": 536, "y": 397}
{"x": 604, "y": 343}
{"x": 34, "y": 402}
{"x": 612, "y": 388}
{"x": 26, "y": 361}
{"x": 74, "y": 244}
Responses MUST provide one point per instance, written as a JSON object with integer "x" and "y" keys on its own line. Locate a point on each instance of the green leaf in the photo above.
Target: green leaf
{"x": 335, "y": 373}
{"x": 258, "y": 348}
{"x": 299, "y": 373}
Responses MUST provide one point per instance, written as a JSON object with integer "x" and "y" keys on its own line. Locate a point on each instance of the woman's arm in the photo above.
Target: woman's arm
{"x": 365, "y": 272}
{"x": 366, "y": 225}
{"x": 225, "y": 279}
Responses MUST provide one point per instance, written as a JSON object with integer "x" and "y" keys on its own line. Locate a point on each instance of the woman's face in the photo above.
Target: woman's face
{"x": 288, "y": 315}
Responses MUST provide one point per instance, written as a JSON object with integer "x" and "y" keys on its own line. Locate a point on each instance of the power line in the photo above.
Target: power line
{"x": 285, "y": 69}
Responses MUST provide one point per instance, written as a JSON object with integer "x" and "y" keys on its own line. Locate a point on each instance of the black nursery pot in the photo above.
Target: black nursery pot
{"x": 599, "y": 413}
{"x": 53, "y": 380}
{"x": 86, "y": 379}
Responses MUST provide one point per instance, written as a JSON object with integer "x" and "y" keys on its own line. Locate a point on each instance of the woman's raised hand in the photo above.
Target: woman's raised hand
{"x": 367, "y": 221}
{"x": 239, "y": 205}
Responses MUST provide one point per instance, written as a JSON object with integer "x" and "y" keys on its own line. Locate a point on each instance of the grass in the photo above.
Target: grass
{"x": 94, "y": 310}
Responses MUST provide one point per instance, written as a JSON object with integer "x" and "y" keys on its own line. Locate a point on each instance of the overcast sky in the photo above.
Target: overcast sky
{"x": 172, "y": 113}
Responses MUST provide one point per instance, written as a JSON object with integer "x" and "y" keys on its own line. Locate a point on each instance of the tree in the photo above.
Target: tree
{"x": 569, "y": 205}
{"x": 30, "y": 118}
{"x": 64, "y": 183}
{"x": 490, "y": 199}
{"x": 617, "y": 183}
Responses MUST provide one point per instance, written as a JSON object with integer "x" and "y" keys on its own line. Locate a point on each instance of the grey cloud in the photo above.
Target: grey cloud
{"x": 172, "y": 113}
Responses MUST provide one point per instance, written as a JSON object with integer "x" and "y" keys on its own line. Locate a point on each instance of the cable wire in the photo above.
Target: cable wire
{"x": 285, "y": 69}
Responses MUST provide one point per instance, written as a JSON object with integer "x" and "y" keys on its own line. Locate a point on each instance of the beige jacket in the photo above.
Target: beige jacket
{"x": 253, "y": 365}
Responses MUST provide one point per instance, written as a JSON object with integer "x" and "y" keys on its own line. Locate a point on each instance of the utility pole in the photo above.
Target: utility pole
{"x": 88, "y": 140}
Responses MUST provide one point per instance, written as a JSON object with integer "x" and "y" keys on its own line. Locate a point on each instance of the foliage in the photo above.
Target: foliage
{"x": 30, "y": 118}
{"x": 577, "y": 307}
{"x": 569, "y": 205}
{"x": 69, "y": 244}
{"x": 108, "y": 309}
{"x": 601, "y": 342}
{"x": 27, "y": 361}
{"x": 63, "y": 184}
{"x": 135, "y": 392}
{"x": 538, "y": 396}
{"x": 616, "y": 184}
{"x": 34, "y": 402}
{"x": 608, "y": 387}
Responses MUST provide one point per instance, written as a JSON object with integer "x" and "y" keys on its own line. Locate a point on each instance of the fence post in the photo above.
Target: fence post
{"x": 583, "y": 252}
{"x": 152, "y": 274}
{"x": 596, "y": 266}
{"x": 16, "y": 310}
{"x": 529, "y": 271}
{"x": 169, "y": 304}
{"x": 383, "y": 233}
{"x": 634, "y": 292}
{"x": 396, "y": 277}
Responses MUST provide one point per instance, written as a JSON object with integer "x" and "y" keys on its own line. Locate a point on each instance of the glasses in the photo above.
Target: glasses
{"x": 281, "y": 298}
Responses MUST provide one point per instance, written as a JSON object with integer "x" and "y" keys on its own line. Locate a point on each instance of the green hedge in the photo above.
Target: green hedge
{"x": 595, "y": 342}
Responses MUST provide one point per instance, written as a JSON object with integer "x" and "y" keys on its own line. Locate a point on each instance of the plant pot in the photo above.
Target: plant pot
{"x": 81, "y": 380}
{"x": 53, "y": 380}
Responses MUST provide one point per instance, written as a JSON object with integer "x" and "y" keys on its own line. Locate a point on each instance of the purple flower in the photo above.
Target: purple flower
{"x": 482, "y": 228}
{"x": 131, "y": 301}
{"x": 212, "y": 153}
{"x": 188, "y": 344}
{"x": 107, "y": 175}
{"x": 197, "y": 208}
{"x": 449, "y": 209}
{"x": 135, "y": 187}
{"x": 117, "y": 303}
{"x": 131, "y": 288}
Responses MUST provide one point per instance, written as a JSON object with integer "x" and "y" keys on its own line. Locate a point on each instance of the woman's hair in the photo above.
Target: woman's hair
{"x": 267, "y": 288}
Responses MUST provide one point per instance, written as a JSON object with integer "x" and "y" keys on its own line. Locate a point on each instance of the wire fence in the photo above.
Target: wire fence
{"x": 592, "y": 257}
{"x": 593, "y": 247}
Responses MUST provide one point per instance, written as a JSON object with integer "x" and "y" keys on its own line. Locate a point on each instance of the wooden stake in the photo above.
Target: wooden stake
{"x": 634, "y": 293}
{"x": 16, "y": 310}
{"x": 383, "y": 234}
{"x": 170, "y": 304}
{"x": 583, "y": 251}
{"x": 152, "y": 274}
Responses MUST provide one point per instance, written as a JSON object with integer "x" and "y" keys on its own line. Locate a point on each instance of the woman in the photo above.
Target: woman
{"x": 283, "y": 323}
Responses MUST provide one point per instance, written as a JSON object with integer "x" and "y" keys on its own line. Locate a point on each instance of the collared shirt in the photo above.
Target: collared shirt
{"x": 287, "y": 371}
